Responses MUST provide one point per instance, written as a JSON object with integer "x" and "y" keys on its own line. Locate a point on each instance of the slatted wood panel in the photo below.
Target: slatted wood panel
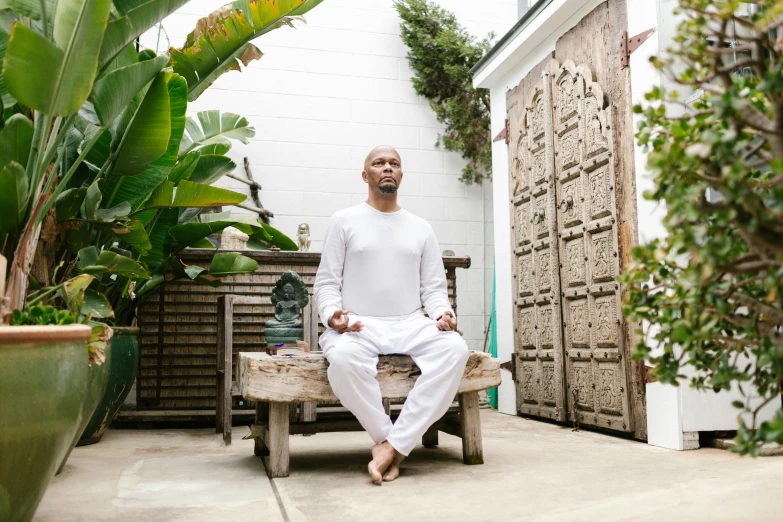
{"x": 178, "y": 327}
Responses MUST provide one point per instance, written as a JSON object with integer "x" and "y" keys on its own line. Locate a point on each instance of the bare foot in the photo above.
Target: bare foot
{"x": 382, "y": 457}
{"x": 394, "y": 468}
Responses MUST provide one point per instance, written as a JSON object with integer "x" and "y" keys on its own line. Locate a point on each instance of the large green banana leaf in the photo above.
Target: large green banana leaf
{"x": 15, "y": 140}
{"x": 136, "y": 189}
{"x": 14, "y": 187}
{"x": 191, "y": 194}
{"x": 231, "y": 263}
{"x": 147, "y": 136}
{"x": 185, "y": 167}
{"x": 262, "y": 236}
{"x": 114, "y": 91}
{"x": 160, "y": 239}
{"x": 137, "y": 19}
{"x": 132, "y": 233}
{"x": 223, "y": 264}
{"x": 56, "y": 77}
{"x": 125, "y": 6}
{"x": 215, "y": 127}
{"x": 6, "y": 97}
{"x": 189, "y": 233}
{"x": 278, "y": 239}
{"x": 108, "y": 262}
{"x": 211, "y": 168}
{"x": 222, "y": 40}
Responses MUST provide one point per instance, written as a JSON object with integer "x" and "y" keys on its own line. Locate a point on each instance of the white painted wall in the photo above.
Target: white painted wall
{"x": 322, "y": 96}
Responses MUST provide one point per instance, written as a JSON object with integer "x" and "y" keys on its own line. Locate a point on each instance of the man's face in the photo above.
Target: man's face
{"x": 383, "y": 170}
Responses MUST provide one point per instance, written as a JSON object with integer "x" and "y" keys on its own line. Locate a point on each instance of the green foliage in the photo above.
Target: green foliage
{"x": 709, "y": 296}
{"x": 441, "y": 54}
{"x": 223, "y": 39}
{"x": 99, "y": 131}
{"x": 42, "y": 315}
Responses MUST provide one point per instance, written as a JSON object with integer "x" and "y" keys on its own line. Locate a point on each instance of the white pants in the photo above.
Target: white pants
{"x": 353, "y": 360}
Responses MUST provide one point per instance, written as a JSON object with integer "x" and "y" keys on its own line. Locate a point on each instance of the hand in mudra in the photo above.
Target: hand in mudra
{"x": 447, "y": 322}
{"x": 339, "y": 322}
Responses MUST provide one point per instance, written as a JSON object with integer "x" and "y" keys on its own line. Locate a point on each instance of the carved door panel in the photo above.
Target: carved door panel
{"x": 537, "y": 319}
{"x": 567, "y": 304}
{"x": 587, "y": 231}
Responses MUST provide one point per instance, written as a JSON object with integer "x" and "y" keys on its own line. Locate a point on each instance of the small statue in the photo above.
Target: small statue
{"x": 233, "y": 239}
{"x": 289, "y": 297}
{"x": 303, "y": 237}
{"x": 448, "y": 253}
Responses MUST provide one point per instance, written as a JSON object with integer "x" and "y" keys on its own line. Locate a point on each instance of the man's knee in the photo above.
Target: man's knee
{"x": 456, "y": 350}
{"x": 461, "y": 352}
{"x": 344, "y": 359}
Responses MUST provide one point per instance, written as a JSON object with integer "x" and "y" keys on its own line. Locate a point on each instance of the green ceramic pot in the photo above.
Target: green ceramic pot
{"x": 124, "y": 348}
{"x": 97, "y": 381}
{"x": 43, "y": 386}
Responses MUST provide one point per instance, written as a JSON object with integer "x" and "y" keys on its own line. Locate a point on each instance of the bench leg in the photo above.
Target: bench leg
{"x": 470, "y": 428}
{"x": 277, "y": 440}
{"x": 225, "y": 349}
{"x": 262, "y": 419}
{"x": 430, "y": 438}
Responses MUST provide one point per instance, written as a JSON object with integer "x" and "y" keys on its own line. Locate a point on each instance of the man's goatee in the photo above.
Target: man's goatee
{"x": 386, "y": 189}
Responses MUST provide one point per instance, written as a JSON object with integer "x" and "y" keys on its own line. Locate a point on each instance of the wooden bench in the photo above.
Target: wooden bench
{"x": 278, "y": 384}
{"x": 226, "y": 388}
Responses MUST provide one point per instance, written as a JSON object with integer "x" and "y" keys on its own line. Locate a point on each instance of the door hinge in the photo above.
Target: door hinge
{"x": 504, "y": 134}
{"x": 510, "y": 366}
{"x": 629, "y": 45}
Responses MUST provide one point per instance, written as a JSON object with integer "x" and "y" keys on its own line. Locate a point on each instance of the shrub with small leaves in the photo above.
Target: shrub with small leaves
{"x": 709, "y": 296}
{"x": 441, "y": 54}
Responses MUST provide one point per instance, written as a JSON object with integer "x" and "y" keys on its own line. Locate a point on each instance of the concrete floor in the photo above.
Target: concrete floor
{"x": 533, "y": 471}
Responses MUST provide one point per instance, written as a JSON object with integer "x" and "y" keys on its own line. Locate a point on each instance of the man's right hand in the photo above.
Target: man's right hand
{"x": 339, "y": 322}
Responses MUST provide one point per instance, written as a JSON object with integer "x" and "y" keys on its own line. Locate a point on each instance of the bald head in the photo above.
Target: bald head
{"x": 381, "y": 152}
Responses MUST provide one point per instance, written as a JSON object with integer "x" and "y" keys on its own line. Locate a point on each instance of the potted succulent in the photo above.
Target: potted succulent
{"x": 92, "y": 131}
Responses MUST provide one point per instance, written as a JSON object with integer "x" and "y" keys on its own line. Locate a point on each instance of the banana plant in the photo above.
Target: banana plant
{"x": 98, "y": 148}
{"x": 223, "y": 39}
{"x": 56, "y": 56}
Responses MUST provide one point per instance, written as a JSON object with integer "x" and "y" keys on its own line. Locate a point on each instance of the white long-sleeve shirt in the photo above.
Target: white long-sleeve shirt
{"x": 380, "y": 264}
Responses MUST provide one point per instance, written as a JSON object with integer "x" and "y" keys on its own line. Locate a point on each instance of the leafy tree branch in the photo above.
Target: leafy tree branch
{"x": 441, "y": 54}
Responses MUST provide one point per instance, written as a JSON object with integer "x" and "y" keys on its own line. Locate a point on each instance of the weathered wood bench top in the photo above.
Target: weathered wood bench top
{"x": 267, "y": 378}
{"x": 278, "y": 383}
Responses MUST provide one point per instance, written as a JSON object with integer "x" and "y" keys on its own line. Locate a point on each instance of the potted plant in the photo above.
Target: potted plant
{"x": 84, "y": 116}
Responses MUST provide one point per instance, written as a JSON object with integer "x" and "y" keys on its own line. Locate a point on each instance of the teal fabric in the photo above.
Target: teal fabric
{"x": 493, "y": 339}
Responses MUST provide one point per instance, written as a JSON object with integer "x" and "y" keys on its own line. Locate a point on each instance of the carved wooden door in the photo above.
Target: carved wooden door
{"x": 596, "y": 383}
{"x": 537, "y": 321}
{"x": 567, "y": 311}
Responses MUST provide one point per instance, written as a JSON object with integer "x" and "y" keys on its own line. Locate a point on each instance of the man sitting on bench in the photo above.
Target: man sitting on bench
{"x": 380, "y": 264}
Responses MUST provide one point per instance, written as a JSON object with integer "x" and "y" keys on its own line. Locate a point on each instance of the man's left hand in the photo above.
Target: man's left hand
{"x": 447, "y": 322}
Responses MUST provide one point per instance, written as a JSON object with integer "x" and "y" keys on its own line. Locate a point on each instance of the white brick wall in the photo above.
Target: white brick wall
{"x": 322, "y": 96}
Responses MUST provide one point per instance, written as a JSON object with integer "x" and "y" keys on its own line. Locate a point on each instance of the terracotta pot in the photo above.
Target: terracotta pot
{"x": 124, "y": 348}
{"x": 43, "y": 386}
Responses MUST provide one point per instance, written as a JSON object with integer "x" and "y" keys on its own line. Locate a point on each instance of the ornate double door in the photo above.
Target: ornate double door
{"x": 568, "y": 343}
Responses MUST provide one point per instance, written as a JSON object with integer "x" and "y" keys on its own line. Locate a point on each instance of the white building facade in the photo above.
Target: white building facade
{"x": 589, "y": 33}
{"x": 321, "y": 97}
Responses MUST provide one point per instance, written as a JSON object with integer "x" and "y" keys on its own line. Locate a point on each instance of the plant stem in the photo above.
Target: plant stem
{"x": 32, "y": 157}
{"x": 44, "y": 19}
{"x": 39, "y": 145}
{"x": 68, "y": 176}
{"x": 47, "y": 292}
{"x": 51, "y": 148}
